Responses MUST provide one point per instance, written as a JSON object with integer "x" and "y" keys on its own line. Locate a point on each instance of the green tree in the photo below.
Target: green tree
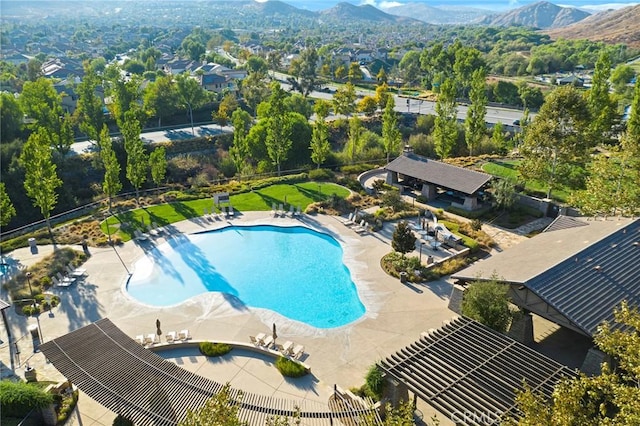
{"x": 158, "y": 165}
{"x": 475, "y": 125}
{"x": 620, "y": 77}
{"x": 409, "y": 67}
{"x": 497, "y": 137}
{"x": 355, "y": 73}
{"x": 305, "y": 75}
{"x": 344, "y": 100}
{"x": 41, "y": 180}
{"x": 610, "y": 398}
{"x": 298, "y": 103}
{"x": 382, "y": 94}
{"x": 219, "y": 410}
{"x": 391, "y": 136}
{"x": 403, "y": 240}
{"x": 254, "y": 90}
{"x": 445, "y": 132}
{"x": 191, "y": 95}
{"x": 504, "y": 192}
{"x": 468, "y": 60}
{"x": 239, "y": 151}
{"x": 89, "y": 113}
{"x": 10, "y": 117}
{"x": 278, "y": 139}
{"x": 320, "y": 147}
{"x": 368, "y": 105}
{"x": 555, "y": 143}
{"x": 161, "y": 98}
{"x": 111, "y": 184}
{"x": 125, "y": 94}
{"x": 226, "y": 108}
{"x": 355, "y": 138}
{"x": 487, "y": 303}
{"x": 601, "y": 105}
{"x": 7, "y": 211}
{"x": 137, "y": 163}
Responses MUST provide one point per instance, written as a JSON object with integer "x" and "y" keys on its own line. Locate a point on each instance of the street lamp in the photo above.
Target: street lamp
{"x": 421, "y": 244}
{"x": 33, "y": 301}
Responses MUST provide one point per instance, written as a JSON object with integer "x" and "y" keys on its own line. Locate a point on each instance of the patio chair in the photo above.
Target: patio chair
{"x": 280, "y": 209}
{"x": 274, "y": 212}
{"x": 76, "y": 272}
{"x": 170, "y": 336}
{"x": 349, "y": 220}
{"x": 152, "y": 231}
{"x": 268, "y": 342}
{"x": 140, "y": 339}
{"x": 158, "y": 229}
{"x": 139, "y": 235}
{"x": 298, "y": 351}
{"x": 65, "y": 280}
{"x": 298, "y": 211}
{"x": 254, "y": 341}
{"x": 57, "y": 283}
{"x": 184, "y": 335}
{"x": 148, "y": 339}
{"x": 232, "y": 212}
{"x": 291, "y": 211}
{"x": 361, "y": 227}
{"x": 287, "y": 348}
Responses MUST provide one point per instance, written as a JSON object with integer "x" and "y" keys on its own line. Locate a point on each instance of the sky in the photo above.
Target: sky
{"x": 496, "y": 5}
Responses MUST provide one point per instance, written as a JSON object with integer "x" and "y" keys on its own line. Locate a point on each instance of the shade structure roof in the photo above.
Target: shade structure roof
{"x": 132, "y": 381}
{"x": 583, "y": 272}
{"x": 469, "y": 372}
{"x": 441, "y": 174}
{"x": 3, "y": 305}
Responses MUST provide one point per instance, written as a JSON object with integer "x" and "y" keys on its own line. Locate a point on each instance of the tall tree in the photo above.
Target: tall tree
{"x": 41, "y": 180}
{"x": 445, "y": 131}
{"x": 391, "y": 136}
{"x": 382, "y": 94}
{"x": 89, "y": 113}
{"x": 219, "y": 410}
{"x": 41, "y": 102}
{"x": 255, "y": 90}
{"x": 111, "y": 184}
{"x": 555, "y": 141}
{"x": 239, "y": 151}
{"x": 7, "y": 211}
{"x": 344, "y": 100}
{"x": 355, "y": 139}
{"x": 226, "y": 108}
{"x": 191, "y": 95}
{"x": 475, "y": 125}
{"x": 137, "y": 164}
{"x": 601, "y": 105}
{"x": 320, "y": 147}
{"x": 158, "y": 165}
{"x": 11, "y": 117}
{"x": 467, "y": 61}
{"x": 125, "y": 93}
{"x": 278, "y": 139}
{"x": 304, "y": 71}
{"x": 161, "y": 98}
{"x": 354, "y": 73}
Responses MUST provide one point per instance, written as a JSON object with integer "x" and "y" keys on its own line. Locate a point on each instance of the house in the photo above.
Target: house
{"x": 216, "y": 83}
{"x": 573, "y": 80}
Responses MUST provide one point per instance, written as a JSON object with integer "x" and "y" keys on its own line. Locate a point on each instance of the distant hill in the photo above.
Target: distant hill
{"x": 611, "y": 26}
{"x": 276, "y": 7}
{"x": 365, "y": 12}
{"x": 541, "y": 15}
{"x": 446, "y": 15}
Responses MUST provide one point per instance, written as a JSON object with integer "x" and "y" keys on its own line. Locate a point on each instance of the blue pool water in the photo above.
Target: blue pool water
{"x": 294, "y": 271}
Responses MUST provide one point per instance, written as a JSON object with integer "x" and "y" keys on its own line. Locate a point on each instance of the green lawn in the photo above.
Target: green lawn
{"x": 300, "y": 194}
{"x": 509, "y": 169}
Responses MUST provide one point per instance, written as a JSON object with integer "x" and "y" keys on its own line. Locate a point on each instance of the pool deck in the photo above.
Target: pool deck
{"x": 396, "y": 314}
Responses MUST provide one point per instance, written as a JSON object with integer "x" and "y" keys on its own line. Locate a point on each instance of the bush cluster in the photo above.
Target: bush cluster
{"x": 290, "y": 368}
{"x": 214, "y": 349}
{"x": 17, "y": 399}
{"x": 322, "y": 175}
{"x": 66, "y": 407}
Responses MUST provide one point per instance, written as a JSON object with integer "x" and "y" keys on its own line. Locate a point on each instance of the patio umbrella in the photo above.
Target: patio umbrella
{"x": 274, "y": 335}
{"x": 158, "y": 331}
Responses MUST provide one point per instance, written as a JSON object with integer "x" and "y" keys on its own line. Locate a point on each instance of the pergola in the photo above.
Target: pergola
{"x": 142, "y": 386}
{"x": 471, "y": 373}
{"x": 431, "y": 175}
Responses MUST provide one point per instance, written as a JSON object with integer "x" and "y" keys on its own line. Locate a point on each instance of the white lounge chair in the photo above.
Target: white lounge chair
{"x": 149, "y": 339}
{"x": 254, "y": 341}
{"x": 268, "y": 342}
{"x": 361, "y": 227}
{"x": 232, "y": 212}
{"x": 298, "y": 211}
{"x": 140, "y": 339}
{"x": 57, "y": 283}
{"x": 66, "y": 281}
{"x": 76, "y": 272}
{"x": 349, "y": 220}
{"x": 274, "y": 211}
{"x": 280, "y": 209}
{"x": 260, "y": 338}
{"x": 170, "y": 336}
{"x": 184, "y": 335}
{"x": 287, "y": 348}
{"x": 291, "y": 211}
{"x": 298, "y": 351}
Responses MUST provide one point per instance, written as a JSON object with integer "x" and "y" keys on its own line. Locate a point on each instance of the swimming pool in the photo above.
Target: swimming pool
{"x": 295, "y": 271}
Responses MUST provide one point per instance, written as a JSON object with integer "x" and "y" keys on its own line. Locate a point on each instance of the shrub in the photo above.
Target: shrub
{"x": 356, "y": 169}
{"x": 66, "y": 407}
{"x": 375, "y": 381}
{"x": 18, "y": 398}
{"x": 28, "y": 310}
{"x": 290, "y": 368}
{"x": 122, "y": 421}
{"x": 214, "y": 349}
{"x": 476, "y": 224}
{"x": 422, "y": 199}
{"x": 450, "y": 266}
{"x": 321, "y": 175}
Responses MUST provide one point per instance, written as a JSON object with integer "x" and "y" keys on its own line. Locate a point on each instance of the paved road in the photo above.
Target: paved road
{"x": 165, "y": 135}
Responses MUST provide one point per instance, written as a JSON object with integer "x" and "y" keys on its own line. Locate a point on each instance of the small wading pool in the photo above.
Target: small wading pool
{"x": 295, "y": 271}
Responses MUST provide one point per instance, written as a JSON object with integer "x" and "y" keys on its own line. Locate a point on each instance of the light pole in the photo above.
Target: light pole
{"x": 33, "y": 301}
{"x": 421, "y": 244}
